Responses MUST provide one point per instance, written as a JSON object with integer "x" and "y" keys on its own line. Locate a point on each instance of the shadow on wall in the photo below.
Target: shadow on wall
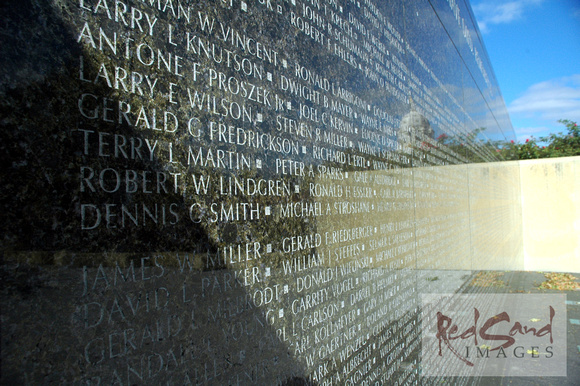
{"x": 89, "y": 205}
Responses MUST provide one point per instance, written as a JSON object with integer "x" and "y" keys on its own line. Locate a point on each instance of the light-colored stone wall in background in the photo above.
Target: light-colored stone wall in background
{"x": 495, "y": 216}
{"x": 551, "y": 214}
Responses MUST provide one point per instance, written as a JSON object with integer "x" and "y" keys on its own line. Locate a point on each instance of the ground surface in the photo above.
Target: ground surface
{"x": 531, "y": 282}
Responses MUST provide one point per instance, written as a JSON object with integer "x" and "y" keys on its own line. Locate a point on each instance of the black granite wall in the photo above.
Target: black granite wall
{"x": 241, "y": 192}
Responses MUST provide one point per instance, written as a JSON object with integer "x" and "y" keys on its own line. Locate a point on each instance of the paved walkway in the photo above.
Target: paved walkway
{"x": 528, "y": 282}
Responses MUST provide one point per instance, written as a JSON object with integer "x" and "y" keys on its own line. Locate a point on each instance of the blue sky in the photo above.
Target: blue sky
{"x": 534, "y": 48}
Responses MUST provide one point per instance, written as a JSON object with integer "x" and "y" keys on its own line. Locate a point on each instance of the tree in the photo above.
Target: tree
{"x": 561, "y": 145}
{"x": 558, "y": 145}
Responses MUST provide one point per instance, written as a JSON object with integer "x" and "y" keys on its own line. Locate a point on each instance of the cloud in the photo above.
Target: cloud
{"x": 489, "y": 12}
{"x": 550, "y": 100}
{"x": 524, "y": 133}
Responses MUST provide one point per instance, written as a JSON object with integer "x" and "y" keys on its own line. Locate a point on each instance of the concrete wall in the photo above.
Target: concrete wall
{"x": 551, "y": 214}
{"x": 515, "y": 215}
{"x": 495, "y": 216}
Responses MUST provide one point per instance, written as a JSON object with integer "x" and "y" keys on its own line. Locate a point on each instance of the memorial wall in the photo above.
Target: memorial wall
{"x": 242, "y": 192}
